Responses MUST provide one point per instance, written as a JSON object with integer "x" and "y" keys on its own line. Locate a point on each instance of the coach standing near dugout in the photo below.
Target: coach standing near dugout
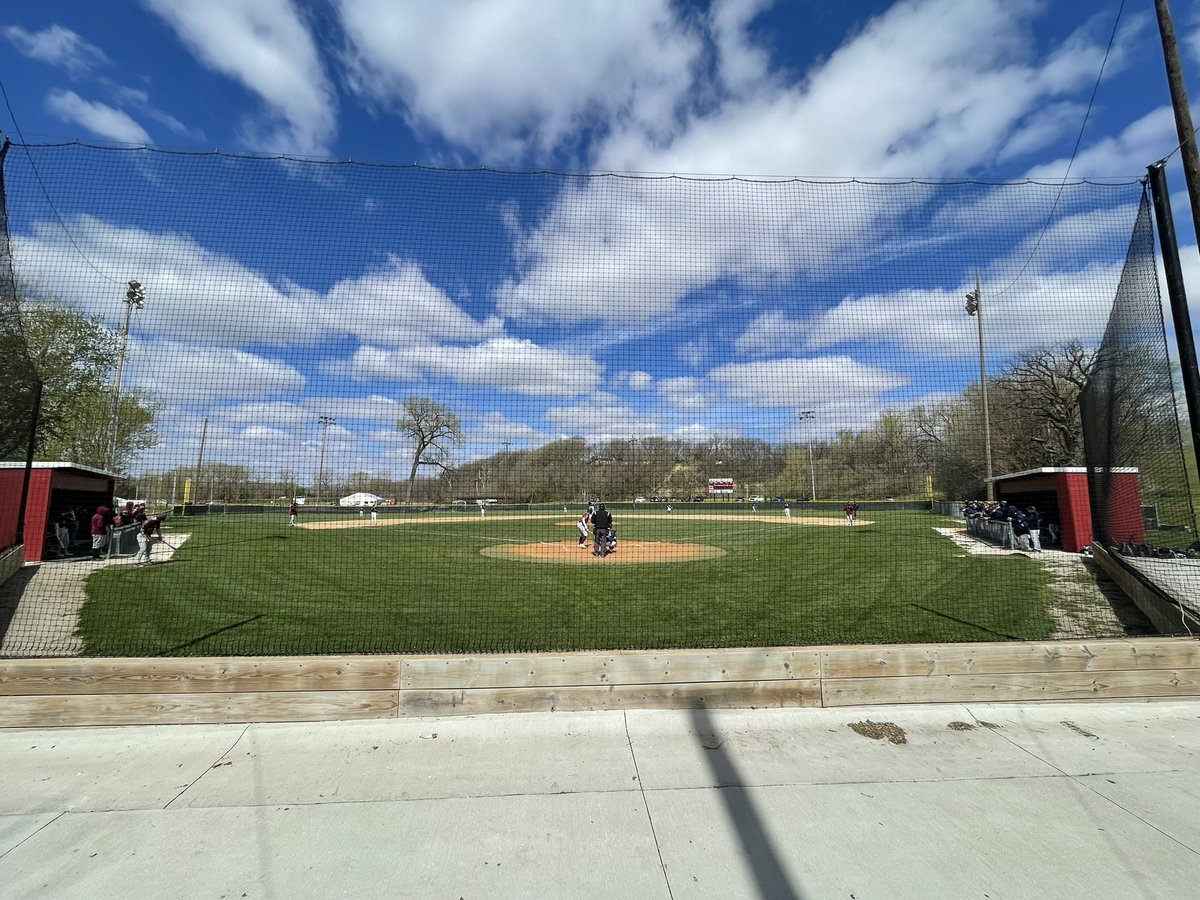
{"x": 99, "y": 530}
{"x": 602, "y": 520}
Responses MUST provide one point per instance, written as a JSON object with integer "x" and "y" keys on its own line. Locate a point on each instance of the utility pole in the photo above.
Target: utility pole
{"x": 975, "y": 308}
{"x": 1184, "y": 128}
{"x": 134, "y": 296}
{"x": 807, "y": 416}
{"x": 324, "y": 422}
{"x": 1179, "y": 102}
{"x": 200, "y": 461}
{"x": 507, "y": 472}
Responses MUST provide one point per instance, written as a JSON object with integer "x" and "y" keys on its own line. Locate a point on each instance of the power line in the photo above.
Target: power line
{"x": 45, "y": 193}
{"x": 1074, "y": 152}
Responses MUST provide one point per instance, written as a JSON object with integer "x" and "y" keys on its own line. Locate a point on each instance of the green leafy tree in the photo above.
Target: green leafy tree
{"x": 74, "y": 356}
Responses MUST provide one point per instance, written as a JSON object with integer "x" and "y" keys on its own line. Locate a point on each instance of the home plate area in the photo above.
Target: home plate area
{"x": 628, "y": 552}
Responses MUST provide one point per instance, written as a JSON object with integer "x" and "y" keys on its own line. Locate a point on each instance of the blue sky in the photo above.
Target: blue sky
{"x": 551, "y": 306}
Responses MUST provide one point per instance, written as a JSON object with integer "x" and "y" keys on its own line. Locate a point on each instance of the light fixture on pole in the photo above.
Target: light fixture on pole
{"x": 135, "y": 296}
{"x": 324, "y": 422}
{"x": 806, "y": 415}
{"x": 975, "y": 308}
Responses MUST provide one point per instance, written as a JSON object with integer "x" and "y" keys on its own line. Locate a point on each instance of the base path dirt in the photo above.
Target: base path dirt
{"x": 777, "y": 519}
{"x": 570, "y": 553}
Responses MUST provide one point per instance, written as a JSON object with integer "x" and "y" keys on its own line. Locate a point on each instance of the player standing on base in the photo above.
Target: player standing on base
{"x": 851, "y": 511}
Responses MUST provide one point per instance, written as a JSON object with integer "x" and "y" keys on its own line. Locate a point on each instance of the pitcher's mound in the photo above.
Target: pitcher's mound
{"x": 627, "y": 552}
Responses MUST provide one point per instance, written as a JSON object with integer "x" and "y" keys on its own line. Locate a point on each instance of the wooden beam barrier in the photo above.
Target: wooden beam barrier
{"x": 38, "y": 693}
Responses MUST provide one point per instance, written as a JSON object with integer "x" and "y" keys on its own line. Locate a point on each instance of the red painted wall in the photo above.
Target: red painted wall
{"x": 1075, "y": 509}
{"x": 36, "y": 512}
{"x": 10, "y": 504}
{"x": 1125, "y": 521}
{"x": 36, "y": 509}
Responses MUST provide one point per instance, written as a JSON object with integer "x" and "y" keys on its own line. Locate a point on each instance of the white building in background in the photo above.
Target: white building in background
{"x": 362, "y": 498}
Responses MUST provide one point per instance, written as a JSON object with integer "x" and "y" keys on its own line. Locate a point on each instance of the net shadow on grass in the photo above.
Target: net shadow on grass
{"x": 992, "y": 631}
{"x": 171, "y": 651}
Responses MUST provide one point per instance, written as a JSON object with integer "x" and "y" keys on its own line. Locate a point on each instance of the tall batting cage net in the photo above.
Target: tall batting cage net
{"x": 1141, "y": 499}
{"x": 371, "y": 406}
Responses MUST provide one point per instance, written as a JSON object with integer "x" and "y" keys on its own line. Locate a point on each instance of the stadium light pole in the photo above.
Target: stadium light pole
{"x": 135, "y": 296}
{"x": 975, "y": 308}
{"x": 324, "y": 422}
{"x": 807, "y": 415}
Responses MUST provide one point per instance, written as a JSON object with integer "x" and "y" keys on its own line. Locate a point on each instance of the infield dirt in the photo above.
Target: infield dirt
{"x": 511, "y": 517}
{"x": 570, "y": 553}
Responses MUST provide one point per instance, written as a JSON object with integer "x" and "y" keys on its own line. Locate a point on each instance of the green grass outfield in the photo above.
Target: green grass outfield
{"x": 249, "y": 585}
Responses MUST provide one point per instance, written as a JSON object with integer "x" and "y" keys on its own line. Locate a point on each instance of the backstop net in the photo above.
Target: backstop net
{"x": 376, "y": 404}
{"x": 1141, "y": 493}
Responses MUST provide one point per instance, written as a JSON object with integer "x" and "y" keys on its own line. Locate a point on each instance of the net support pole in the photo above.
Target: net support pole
{"x": 1182, "y": 319}
{"x": 35, "y": 414}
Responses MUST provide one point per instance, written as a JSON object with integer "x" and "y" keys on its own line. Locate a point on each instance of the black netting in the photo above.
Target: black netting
{"x": 773, "y": 385}
{"x": 1141, "y": 498}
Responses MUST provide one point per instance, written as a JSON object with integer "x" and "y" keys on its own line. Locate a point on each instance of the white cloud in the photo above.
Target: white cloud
{"x": 267, "y": 47}
{"x": 685, "y": 394}
{"x": 1128, "y": 153}
{"x": 628, "y": 250}
{"x": 822, "y": 382}
{"x": 192, "y": 290}
{"x": 637, "y": 380}
{"x": 99, "y": 118}
{"x": 184, "y": 373}
{"x": 506, "y": 364}
{"x": 601, "y": 417}
{"x": 57, "y": 46}
{"x": 499, "y": 77}
{"x": 880, "y": 103}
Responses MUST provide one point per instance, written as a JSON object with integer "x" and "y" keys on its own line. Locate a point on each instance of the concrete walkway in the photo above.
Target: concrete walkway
{"x": 1052, "y": 800}
{"x": 40, "y": 604}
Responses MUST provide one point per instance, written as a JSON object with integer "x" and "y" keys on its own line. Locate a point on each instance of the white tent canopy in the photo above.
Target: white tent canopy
{"x": 362, "y": 498}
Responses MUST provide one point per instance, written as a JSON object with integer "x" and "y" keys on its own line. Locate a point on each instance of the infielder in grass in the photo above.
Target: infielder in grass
{"x": 787, "y": 510}
{"x": 375, "y": 512}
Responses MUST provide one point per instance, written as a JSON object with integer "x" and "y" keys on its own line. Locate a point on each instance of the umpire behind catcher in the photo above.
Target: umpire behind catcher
{"x": 601, "y": 521}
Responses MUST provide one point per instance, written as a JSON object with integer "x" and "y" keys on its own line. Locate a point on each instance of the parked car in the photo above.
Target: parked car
{"x": 639, "y": 499}
{"x": 758, "y": 499}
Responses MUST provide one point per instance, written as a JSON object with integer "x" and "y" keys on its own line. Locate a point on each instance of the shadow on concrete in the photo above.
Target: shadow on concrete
{"x": 1132, "y": 619}
{"x": 760, "y": 853}
{"x": 10, "y": 596}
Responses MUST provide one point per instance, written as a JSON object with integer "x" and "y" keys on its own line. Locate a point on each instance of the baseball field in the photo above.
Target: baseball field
{"x": 517, "y": 581}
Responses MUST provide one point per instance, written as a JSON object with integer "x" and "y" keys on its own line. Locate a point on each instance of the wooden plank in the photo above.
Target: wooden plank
{"x": 1166, "y": 615}
{"x": 188, "y": 709}
{"x": 223, "y": 675}
{"x": 627, "y": 667}
{"x": 800, "y": 692}
{"x": 1006, "y": 658}
{"x": 1002, "y": 688}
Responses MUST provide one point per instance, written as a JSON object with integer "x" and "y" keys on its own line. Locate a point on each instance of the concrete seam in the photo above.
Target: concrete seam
{"x": 33, "y": 834}
{"x": 207, "y": 769}
{"x": 646, "y": 803}
{"x": 1076, "y": 779}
